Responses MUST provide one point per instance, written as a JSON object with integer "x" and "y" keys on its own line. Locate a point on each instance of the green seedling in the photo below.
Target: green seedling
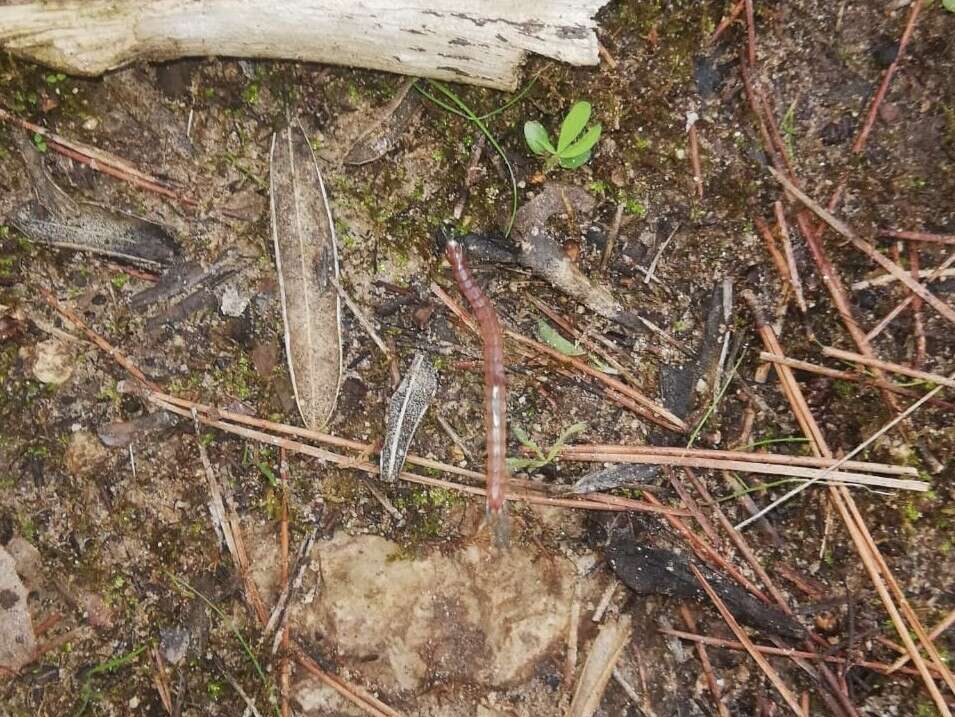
{"x": 574, "y": 145}
{"x": 542, "y": 459}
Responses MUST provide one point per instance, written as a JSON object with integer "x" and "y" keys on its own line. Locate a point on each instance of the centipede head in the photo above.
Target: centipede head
{"x": 444, "y": 234}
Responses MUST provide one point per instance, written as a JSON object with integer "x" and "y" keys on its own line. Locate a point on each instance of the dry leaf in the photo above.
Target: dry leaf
{"x": 598, "y": 668}
{"x": 306, "y": 258}
{"x": 405, "y": 411}
{"x": 387, "y": 124}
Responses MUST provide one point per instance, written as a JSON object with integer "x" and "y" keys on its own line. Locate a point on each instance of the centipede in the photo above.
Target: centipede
{"x": 495, "y": 389}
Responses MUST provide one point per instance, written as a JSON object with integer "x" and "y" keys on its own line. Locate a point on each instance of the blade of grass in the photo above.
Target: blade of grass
{"x": 465, "y": 111}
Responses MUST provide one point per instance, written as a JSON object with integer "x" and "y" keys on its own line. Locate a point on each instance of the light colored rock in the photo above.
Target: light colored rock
{"x": 29, "y": 564}
{"x": 85, "y": 454}
{"x": 53, "y": 362}
{"x": 17, "y": 641}
{"x": 472, "y": 617}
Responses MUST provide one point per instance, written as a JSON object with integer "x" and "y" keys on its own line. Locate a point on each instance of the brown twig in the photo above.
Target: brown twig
{"x": 844, "y": 504}
{"x": 866, "y": 248}
{"x": 889, "y": 317}
{"x": 750, "y": 33}
{"x": 353, "y": 693}
{"x": 935, "y": 378}
{"x": 612, "y": 237}
{"x": 695, "y": 164}
{"x": 117, "y": 355}
{"x": 867, "y": 126}
{"x": 779, "y": 261}
{"x": 595, "y": 449}
{"x": 790, "y": 256}
{"x": 849, "y": 376}
{"x": 918, "y": 330}
{"x": 918, "y": 236}
{"x": 757, "y": 656}
{"x": 708, "y": 673}
{"x": 161, "y": 680}
{"x": 879, "y": 667}
{"x": 945, "y": 623}
{"x": 284, "y": 666}
{"x": 602, "y": 502}
{"x": 707, "y": 553}
{"x": 728, "y": 20}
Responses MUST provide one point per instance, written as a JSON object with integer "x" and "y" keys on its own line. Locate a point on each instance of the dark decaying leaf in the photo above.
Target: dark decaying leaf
{"x": 184, "y": 278}
{"x": 56, "y": 220}
{"x": 120, "y": 434}
{"x": 653, "y": 571}
{"x": 386, "y": 126}
{"x": 306, "y": 259}
{"x": 405, "y": 411}
{"x": 617, "y": 476}
{"x": 677, "y": 386}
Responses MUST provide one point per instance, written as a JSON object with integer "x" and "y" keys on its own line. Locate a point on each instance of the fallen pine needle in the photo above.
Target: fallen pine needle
{"x": 741, "y": 635}
{"x": 934, "y": 378}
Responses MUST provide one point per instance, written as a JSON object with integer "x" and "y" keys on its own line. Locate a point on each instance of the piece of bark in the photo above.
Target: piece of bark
{"x": 120, "y": 434}
{"x": 184, "y": 278}
{"x": 405, "y": 411}
{"x": 653, "y": 571}
{"x": 55, "y": 219}
{"x": 306, "y": 258}
{"x": 604, "y": 654}
{"x": 481, "y": 44}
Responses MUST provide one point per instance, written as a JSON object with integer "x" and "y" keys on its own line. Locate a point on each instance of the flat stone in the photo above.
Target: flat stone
{"x": 85, "y": 455}
{"x": 53, "y": 362}
{"x": 17, "y": 641}
{"x": 402, "y": 625}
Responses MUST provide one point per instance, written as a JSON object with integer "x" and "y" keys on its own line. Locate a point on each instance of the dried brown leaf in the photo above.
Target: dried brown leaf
{"x": 306, "y": 258}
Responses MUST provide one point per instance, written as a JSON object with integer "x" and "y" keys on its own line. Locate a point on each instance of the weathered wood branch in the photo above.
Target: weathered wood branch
{"x": 480, "y": 42}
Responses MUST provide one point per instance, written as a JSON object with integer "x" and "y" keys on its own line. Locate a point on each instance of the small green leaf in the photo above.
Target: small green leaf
{"x": 573, "y": 124}
{"x": 537, "y": 138}
{"x": 574, "y": 162}
{"x": 601, "y": 366}
{"x": 526, "y": 440}
{"x": 584, "y": 144}
{"x": 949, "y": 5}
{"x": 549, "y": 335}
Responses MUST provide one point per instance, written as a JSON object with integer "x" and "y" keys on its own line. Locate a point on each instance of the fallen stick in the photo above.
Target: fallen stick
{"x": 886, "y": 279}
{"x": 607, "y": 503}
{"x": 481, "y": 44}
{"x": 790, "y": 256}
{"x": 708, "y": 673}
{"x": 879, "y": 667}
{"x": 935, "y": 378}
{"x": 869, "y": 123}
{"x": 918, "y": 236}
{"x": 849, "y": 376}
{"x": 828, "y": 475}
{"x": 866, "y": 248}
{"x": 728, "y": 20}
{"x": 933, "y": 634}
{"x": 889, "y": 317}
{"x": 709, "y": 453}
{"x": 757, "y": 656}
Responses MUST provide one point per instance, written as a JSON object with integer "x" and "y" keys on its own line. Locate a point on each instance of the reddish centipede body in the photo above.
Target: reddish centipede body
{"x": 495, "y": 388}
